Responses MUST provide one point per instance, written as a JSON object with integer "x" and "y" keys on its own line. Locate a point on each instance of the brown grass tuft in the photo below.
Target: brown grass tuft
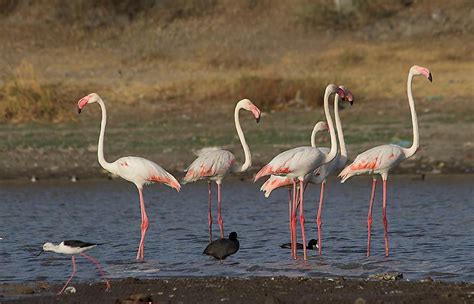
{"x": 24, "y": 98}
{"x": 274, "y": 93}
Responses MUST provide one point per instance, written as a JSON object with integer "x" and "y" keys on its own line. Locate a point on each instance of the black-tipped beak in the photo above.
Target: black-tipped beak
{"x": 79, "y": 110}
{"x": 257, "y": 119}
{"x": 351, "y": 102}
{"x": 430, "y": 77}
{"x": 40, "y": 253}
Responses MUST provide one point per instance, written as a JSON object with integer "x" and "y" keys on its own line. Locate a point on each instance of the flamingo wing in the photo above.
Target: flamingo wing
{"x": 376, "y": 160}
{"x": 143, "y": 171}
{"x": 275, "y": 182}
{"x": 213, "y": 164}
{"x": 294, "y": 162}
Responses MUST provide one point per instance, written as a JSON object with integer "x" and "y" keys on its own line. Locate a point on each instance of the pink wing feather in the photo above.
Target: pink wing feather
{"x": 213, "y": 164}
{"x": 142, "y": 171}
{"x": 297, "y": 161}
{"x": 376, "y": 160}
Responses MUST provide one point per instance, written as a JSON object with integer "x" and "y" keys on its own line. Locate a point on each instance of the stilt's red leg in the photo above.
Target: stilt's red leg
{"x": 209, "y": 213}
{"x": 303, "y": 235}
{"x": 293, "y": 220}
{"x": 385, "y": 222}
{"x": 144, "y": 227}
{"x": 219, "y": 215}
{"x": 99, "y": 268}
{"x": 318, "y": 217}
{"x": 369, "y": 215}
{"x": 72, "y": 275}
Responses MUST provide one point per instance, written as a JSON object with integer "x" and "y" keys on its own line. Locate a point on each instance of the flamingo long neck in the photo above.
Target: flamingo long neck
{"x": 414, "y": 120}
{"x": 248, "y": 157}
{"x": 340, "y": 134}
{"x": 332, "y": 153}
{"x": 313, "y": 136}
{"x": 100, "y": 147}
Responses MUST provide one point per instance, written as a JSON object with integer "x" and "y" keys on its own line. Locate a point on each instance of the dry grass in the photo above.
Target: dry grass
{"x": 26, "y": 98}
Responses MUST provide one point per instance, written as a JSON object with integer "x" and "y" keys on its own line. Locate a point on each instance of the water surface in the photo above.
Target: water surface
{"x": 431, "y": 226}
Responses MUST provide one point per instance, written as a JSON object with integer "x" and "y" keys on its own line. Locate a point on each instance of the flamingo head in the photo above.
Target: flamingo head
{"x": 91, "y": 98}
{"x": 349, "y": 96}
{"x": 332, "y": 88}
{"x": 418, "y": 70}
{"x": 321, "y": 126}
{"x": 249, "y": 106}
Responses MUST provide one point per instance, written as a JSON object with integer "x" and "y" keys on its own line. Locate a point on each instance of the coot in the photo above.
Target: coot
{"x": 222, "y": 248}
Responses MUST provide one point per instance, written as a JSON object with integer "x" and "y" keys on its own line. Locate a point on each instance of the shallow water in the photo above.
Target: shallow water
{"x": 431, "y": 226}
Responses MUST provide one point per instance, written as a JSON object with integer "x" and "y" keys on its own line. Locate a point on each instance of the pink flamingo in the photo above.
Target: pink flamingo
{"x": 137, "y": 170}
{"x": 321, "y": 174}
{"x": 381, "y": 159}
{"x": 296, "y": 163}
{"x": 215, "y": 164}
{"x": 275, "y": 181}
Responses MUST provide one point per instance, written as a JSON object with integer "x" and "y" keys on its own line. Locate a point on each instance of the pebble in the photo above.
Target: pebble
{"x": 387, "y": 276}
{"x": 360, "y": 301}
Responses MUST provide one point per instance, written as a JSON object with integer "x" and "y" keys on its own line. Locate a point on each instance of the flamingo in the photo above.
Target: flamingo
{"x": 296, "y": 163}
{"x": 321, "y": 174}
{"x": 381, "y": 159}
{"x": 139, "y": 171}
{"x": 214, "y": 164}
{"x": 276, "y": 181}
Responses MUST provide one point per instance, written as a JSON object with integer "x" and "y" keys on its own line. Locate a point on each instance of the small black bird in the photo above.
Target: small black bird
{"x": 222, "y": 248}
{"x": 312, "y": 244}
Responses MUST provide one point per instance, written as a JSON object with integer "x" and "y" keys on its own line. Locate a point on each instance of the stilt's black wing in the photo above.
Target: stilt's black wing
{"x": 78, "y": 244}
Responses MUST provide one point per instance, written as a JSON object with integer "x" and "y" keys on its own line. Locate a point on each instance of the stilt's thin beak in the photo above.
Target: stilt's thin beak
{"x": 40, "y": 253}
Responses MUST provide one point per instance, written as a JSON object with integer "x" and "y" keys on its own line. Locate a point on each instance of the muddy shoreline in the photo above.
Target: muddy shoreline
{"x": 246, "y": 290}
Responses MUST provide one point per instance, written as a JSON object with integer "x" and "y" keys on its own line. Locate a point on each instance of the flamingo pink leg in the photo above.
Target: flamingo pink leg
{"x": 290, "y": 204}
{"x": 385, "y": 222}
{"x": 369, "y": 215}
{"x": 144, "y": 227}
{"x": 293, "y": 219}
{"x": 99, "y": 268}
{"x": 209, "y": 214}
{"x": 219, "y": 215}
{"x": 318, "y": 217}
{"x": 72, "y": 275}
{"x": 302, "y": 220}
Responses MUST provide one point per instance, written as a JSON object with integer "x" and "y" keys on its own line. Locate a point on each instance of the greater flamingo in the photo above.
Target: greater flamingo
{"x": 215, "y": 164}
{"x": 137, "y": 170}
{"x": 381, "y": 159}
{"x": 296, "y": 163}
{"x": 321, "y": 174}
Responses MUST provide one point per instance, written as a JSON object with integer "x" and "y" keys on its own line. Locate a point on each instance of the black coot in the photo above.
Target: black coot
{"x": 222, "y": 248}
{"x": 312, "y": 244}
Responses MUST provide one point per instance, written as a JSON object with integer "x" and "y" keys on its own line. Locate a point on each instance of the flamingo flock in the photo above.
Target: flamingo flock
{"x": 294, "y": 169}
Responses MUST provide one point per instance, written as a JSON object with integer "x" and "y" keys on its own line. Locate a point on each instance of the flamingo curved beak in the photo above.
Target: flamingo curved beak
{"x": 430, "y": 77}
{"x": 350, "y": 97}
{"x": 82, "y": 103}
{"x": 256, "y": 112}
{"x": 341, "y": 93}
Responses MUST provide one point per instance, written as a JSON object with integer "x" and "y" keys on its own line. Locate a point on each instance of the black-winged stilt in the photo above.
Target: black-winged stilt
{"x": 222, "y": 248}
{"x": 73, "y": 247}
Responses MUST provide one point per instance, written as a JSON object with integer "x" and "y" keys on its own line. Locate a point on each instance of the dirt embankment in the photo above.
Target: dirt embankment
{"x": 250, "y": 290}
